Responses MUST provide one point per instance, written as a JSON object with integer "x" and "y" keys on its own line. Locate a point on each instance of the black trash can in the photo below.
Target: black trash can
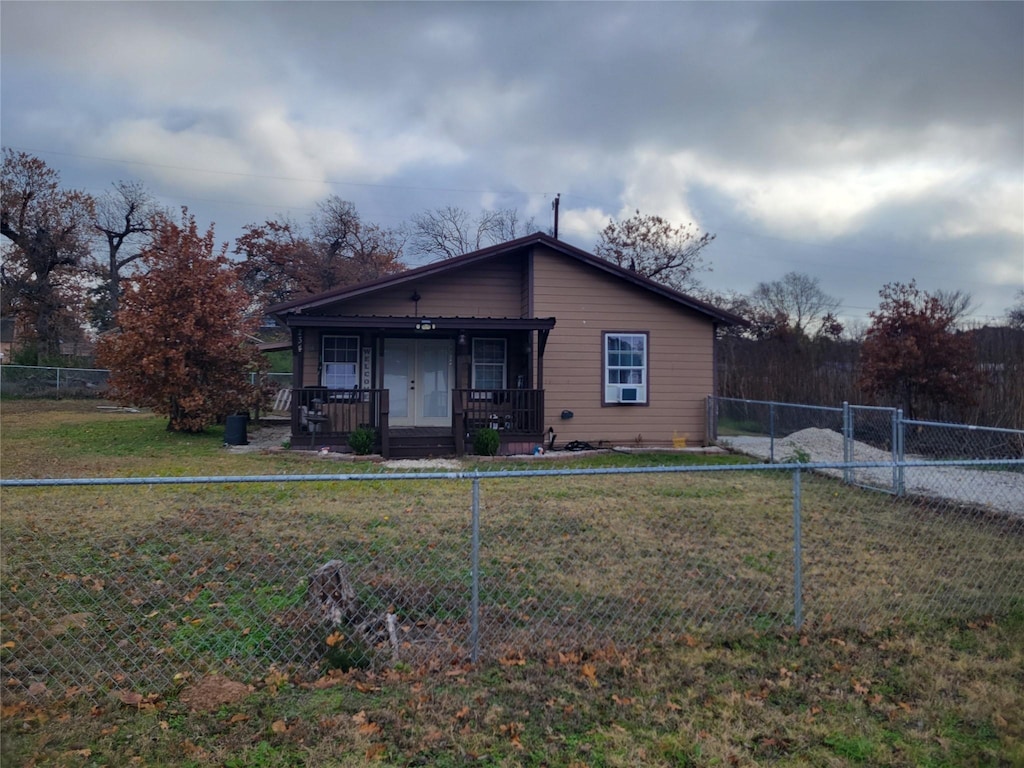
{"x": 234, "y": 430}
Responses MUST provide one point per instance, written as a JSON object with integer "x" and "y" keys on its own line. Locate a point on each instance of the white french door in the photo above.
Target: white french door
{"x": 418, "y": 377}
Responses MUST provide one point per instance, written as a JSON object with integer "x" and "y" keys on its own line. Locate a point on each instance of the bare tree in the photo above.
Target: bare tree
{"x": 1015, "y": 314}
{"x": 800, "y": 300}
{"x": 123, "y": 219}
{"x": 652, "y": 247}
{"x": 448, "y": 232}
{"x": 958, "y": 303}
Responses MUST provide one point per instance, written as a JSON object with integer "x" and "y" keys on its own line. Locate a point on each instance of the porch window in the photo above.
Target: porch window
{"x": 340, "y": 364}
{"x": 489, "y": 364}
{"x": 625, "y": 368}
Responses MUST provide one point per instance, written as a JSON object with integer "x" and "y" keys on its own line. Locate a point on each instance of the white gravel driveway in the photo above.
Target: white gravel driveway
{"x": 996, "y": 490}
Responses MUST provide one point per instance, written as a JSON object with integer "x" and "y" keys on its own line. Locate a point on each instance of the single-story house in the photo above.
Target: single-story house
{"x": 544, "y": 342}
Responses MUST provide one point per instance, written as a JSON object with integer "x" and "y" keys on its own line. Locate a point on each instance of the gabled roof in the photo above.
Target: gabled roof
{"x": 538, "y": 238}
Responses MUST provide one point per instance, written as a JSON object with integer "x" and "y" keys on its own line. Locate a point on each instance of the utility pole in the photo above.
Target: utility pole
{"x": 554, "y": 205}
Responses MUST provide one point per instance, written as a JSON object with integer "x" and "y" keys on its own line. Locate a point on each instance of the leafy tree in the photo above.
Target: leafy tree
{"x": 912, "y": 352}
{"x": 800, "y": 302}
{"x": 183, "y": 341}
{"x": 651, "y": 246}
{"x": 123, "y": 220}
{"x": 46, "y": 232}
{"x": 444, "y": 233}
{"x": 284, "y": 259}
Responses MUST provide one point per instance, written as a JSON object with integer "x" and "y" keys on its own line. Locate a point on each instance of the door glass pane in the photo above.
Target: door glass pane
{"x": 433, "y": 380}
{"x": 396, "y": 377}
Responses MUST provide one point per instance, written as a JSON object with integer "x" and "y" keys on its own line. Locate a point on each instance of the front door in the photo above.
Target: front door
{"x": 418, "y": 377}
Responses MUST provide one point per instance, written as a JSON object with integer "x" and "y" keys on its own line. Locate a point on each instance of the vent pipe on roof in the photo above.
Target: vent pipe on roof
{"x": 554, "y": 205}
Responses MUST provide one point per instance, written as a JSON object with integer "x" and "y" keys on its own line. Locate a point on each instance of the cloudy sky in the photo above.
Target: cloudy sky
{"x": 859, "y": 143}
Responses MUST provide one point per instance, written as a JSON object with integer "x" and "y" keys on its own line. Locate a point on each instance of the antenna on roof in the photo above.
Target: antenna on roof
{"x": 554, "y": 205}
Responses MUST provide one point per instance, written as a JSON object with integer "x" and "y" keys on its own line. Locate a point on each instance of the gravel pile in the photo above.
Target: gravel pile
{"x": 1001, "y": 491}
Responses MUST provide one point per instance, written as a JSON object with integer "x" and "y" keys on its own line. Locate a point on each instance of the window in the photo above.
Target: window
{"x": 488, "y": 364}
{"x": 340, "y": 362}
{"x": 625, "y": 368}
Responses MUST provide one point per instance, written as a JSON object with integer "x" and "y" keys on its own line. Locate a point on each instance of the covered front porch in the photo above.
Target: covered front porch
{"x": 423, "y": 385}
{"x": 322, "y": 417}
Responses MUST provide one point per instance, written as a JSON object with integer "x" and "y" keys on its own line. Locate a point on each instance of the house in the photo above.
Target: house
{"x": 535, "y": 338}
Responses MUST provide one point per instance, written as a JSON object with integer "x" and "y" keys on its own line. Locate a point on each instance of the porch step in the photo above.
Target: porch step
{"x": 421, "y": 446}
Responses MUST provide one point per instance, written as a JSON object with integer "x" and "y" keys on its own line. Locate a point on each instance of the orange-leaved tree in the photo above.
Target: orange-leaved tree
{"x": 913, "y": 352}
{"x": 183, "y": 345}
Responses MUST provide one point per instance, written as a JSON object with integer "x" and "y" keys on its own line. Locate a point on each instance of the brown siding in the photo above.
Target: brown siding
{"x": 491, "y": 289}
{"x": 587, "y": 303}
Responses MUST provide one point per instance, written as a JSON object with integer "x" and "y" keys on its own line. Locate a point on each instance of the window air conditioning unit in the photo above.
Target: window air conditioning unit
{"x": 629, "y": 394}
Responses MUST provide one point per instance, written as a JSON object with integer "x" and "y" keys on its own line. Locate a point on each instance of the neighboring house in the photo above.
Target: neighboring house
{"x": 533, "y": 337}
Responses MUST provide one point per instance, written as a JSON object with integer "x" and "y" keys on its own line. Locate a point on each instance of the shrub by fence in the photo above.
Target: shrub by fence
{"x": 134, "y": 583}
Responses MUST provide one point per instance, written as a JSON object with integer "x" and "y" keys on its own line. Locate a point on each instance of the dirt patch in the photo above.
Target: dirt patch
{"x": 213, "y": 692}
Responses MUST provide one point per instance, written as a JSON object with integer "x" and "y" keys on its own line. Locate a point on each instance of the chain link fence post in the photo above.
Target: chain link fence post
{"x": 847, "y": 442}
{"x": 898, "y": 451}
{"x": 474, "y": 609}
{"x": 798, "y": 585}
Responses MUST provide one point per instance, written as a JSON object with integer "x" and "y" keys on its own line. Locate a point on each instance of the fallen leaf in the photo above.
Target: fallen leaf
{"x": 376, "y": 751}
{"x": 369, "y": 729}
{"x": 238, "y": 717}
{"x": 130, "y": 698}
{"x": 589, "y": 672}
{"x": 279, "y": 726}
{"x": 334, "y": 638}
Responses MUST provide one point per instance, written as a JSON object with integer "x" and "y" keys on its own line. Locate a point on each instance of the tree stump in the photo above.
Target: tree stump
{"x": 332, "y": 594}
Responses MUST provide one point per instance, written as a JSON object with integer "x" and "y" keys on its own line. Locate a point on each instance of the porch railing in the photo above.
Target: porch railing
{"x": 321, "y": 414}
{"x": 514, "y": 412}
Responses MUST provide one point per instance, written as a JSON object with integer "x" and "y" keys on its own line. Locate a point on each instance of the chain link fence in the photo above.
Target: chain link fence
{"x": 39, "y": 381}
{"x": 141, "y": 583}
{"x": 43, "y": 381}
{"x": 857, "y": 434}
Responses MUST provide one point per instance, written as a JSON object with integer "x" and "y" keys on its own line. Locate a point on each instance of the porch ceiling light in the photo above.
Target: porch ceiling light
{"x": 425, "y": 325}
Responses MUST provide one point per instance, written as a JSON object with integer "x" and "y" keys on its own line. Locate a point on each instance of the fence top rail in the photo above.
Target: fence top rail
{"x": 776, "y": 402}
{"x": 968, "y": 427}
{"x": 12, "y": 366}
{"x": 887, "y": 408}
{"x": 500, "y": 474}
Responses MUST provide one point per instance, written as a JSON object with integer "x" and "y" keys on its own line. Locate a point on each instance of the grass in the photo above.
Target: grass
{"x": 628, "y": 620}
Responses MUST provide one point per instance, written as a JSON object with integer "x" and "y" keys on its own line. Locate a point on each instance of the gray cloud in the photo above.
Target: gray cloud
{"x": 811, "y": 136}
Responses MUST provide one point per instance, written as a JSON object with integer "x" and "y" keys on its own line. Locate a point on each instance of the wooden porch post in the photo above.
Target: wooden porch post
{"x": 385, "y": 440}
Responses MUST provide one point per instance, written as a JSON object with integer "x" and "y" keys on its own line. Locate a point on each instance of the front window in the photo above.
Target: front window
{"x": 340, "y": 362}
{"x": 625, "y": 368}
{"x": 489, "y": 364}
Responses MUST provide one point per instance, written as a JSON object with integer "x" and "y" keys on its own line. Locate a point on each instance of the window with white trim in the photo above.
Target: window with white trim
{"x": 340, "y": 362}
{"x": 489, "y": 364}
{"x": 625, "y": 368}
